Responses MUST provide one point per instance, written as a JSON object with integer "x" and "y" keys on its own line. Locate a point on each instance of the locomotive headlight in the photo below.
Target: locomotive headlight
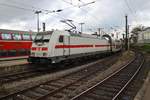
{"x": 32, "y": 54}
{"x": 44, "y": 54}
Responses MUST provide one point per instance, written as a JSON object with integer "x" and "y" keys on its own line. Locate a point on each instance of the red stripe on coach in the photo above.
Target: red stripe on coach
{"x": 33, "y": 48}
{"x": 102, "y": 45}
{"x": 73, "y": 46}
{"x": 44, "y": 49}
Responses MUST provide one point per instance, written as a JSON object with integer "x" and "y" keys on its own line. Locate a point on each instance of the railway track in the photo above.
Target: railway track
{"x": 8, "y": 78}
{"x": 73, "y": 80}
{"x": 112, "y": 87}
{"x": 22, "y": 75}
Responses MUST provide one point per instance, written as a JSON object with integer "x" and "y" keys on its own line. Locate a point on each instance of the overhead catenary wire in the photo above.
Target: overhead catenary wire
{"x": 80, "y": 7}
{"x": 131, "y": 10}
{"x": 32, "y": 9}
{"x": 17, "y": 7}
{"x": 96, "y": 19}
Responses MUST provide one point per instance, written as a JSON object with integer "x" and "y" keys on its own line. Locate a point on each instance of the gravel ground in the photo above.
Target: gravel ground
{"x": 144, "y": 90}
{"x": 146, "y": 95}
{"x": 136, "y": 84}
{"x": 126, "y": 57}
{"x": 15, "y": 86}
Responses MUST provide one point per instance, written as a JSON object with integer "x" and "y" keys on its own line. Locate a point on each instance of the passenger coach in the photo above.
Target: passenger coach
{"x": 15, "y": 44}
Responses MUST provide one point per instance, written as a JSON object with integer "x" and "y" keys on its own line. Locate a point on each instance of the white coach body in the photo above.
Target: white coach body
{"x": 55, "y": 46}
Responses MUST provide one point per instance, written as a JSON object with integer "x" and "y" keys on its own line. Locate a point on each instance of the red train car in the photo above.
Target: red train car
{"x": 15, "y": 44}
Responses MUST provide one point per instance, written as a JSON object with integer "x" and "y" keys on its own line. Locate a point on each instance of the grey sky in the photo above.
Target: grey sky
{"x": 102, "y": 13}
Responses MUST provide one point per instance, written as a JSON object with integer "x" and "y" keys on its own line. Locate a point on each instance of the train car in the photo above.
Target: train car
{"x": 15, "y": 44}
{"x": 116, "y": 45}
{"x": 55, "y": 46}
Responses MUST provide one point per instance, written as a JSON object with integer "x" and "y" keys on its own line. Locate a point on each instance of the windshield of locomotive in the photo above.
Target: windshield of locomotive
{"x": 43, "y": 37}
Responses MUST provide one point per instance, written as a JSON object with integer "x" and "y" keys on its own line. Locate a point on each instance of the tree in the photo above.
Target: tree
{"x": 135, "y": 31}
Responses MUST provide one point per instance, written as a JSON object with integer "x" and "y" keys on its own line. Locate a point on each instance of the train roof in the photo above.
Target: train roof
{"x": 61, "y": 32}
{"x": 76, "y": 34}
{"x": 17, "y": 31}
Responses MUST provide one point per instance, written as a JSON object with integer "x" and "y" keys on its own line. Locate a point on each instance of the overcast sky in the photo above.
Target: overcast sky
{"x": 19, "y": 14}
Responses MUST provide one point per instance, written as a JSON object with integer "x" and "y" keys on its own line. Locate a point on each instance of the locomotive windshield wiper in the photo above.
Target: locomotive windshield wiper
{"x": 46, "y": 40}
{"x": 39, "y": 38}
{"x": 42, "y": 37}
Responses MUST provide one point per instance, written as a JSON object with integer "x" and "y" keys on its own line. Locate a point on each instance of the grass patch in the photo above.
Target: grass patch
{"x": 146, "y": 48}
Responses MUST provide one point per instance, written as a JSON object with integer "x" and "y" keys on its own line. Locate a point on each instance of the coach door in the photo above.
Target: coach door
{"x": 66, "y": 49}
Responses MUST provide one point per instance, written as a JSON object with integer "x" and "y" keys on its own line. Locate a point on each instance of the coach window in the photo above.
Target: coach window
{"x": 3, "y": 53}
{"x": 22, "y": 52}
{"x": 6, "y": 36}
{"x": 12, "y": 52}
{"x": 61, "y": 39}
{"x": 16, "y": 36}
{"x": 26, "y": 36}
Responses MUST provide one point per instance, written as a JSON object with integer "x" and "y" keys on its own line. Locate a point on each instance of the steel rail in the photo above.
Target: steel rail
{"x": 24, "y": 90}
{"x": 105, "y": 79}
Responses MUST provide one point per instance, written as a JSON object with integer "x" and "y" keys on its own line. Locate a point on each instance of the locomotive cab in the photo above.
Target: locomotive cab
{"x": 40, "y": 48}
{"x": 44, "y": 46}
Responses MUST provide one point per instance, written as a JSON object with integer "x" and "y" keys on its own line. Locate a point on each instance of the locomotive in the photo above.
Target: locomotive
{"x": 56, "y": 46}
{"x": 15, "y": 44}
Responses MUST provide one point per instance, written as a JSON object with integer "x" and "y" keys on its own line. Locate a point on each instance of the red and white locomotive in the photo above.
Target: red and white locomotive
{"x": 55, "y": 46}
{"x": 15, "y": 44}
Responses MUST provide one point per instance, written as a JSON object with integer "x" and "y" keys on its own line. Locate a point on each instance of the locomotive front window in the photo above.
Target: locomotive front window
{"x": 26, "y": 36}
{"x": 39, "y": 37}
{"x": 16, "y": 36}
{"x": 6, "y": 36}
{"x": 42, "y": 37}
{"x": 46, "y": 37}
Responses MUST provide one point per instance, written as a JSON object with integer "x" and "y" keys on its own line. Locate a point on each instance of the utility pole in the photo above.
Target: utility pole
{"x": 38, "y": 12}
{"x": 99, "y": 31}
{"x": 81, "y": 25}
{"x": 47, "y": 12}
{"x": 128, "y": 39}
{"x": 126, "y": 30}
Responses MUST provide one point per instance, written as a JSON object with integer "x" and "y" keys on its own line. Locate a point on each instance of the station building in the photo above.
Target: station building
{"x": 144, "y": 36}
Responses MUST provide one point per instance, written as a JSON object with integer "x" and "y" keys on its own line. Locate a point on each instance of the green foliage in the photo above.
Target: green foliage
{"x": 146, "y": 48}
{"x": 142, "y": 47}
{"x": 136, "y": 29}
